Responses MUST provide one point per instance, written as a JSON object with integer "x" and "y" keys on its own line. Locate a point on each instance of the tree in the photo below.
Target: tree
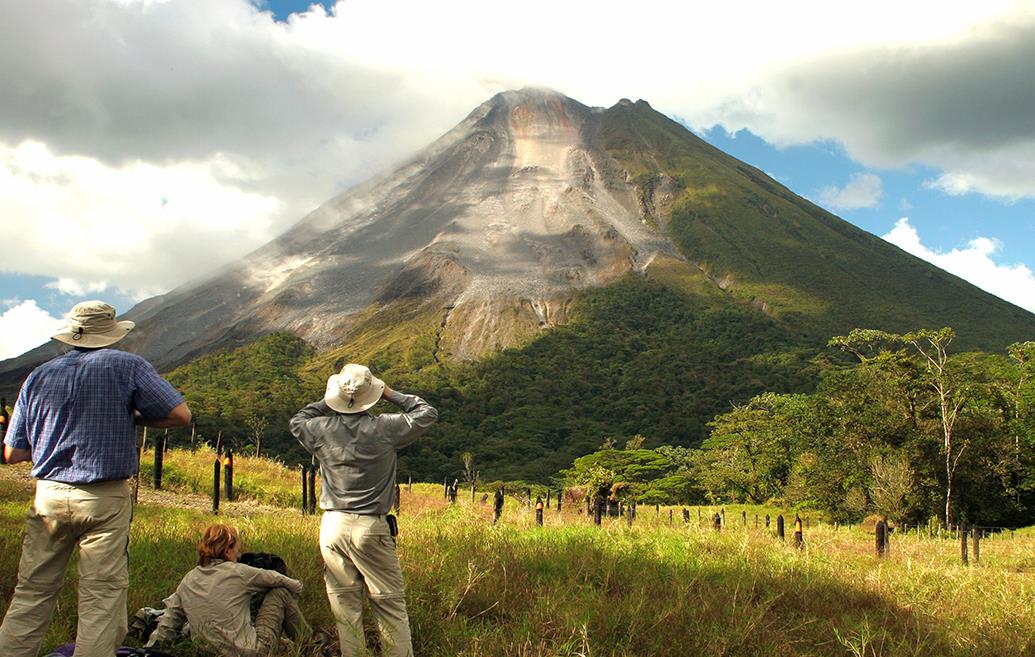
{"x": 257, "y": 424}
{"x": 748, "y": 455}
{"x": 890, "y": 486}
{"x": 636, "y": 442}
{"x": 469, "y": 473}
{"x": 951, "y": 396}
{"x": 948, "y": 391}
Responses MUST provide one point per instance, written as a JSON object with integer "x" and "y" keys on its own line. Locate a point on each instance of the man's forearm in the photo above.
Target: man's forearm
{"x": 180, "y": 416}
{"x": 16, "y": 455}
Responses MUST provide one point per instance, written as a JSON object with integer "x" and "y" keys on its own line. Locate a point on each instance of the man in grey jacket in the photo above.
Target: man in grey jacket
{"x": 357, "y": 454}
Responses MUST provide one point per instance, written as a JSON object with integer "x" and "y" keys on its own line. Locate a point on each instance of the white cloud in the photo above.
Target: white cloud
{"x": 76, "y": 288}
{"x": 24, "y": 326}
{"x": 139, "y": 227}
{"x": 975, "y": 264}
{"x": 864, "y": 190}
{"x": 240, "y": 125}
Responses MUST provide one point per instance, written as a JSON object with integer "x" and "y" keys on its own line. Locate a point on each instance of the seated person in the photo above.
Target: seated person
{"x": 215, "y": 596}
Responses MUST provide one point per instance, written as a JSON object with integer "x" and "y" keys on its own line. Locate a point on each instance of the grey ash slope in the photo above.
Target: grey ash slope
{"x": 529, "y": 199}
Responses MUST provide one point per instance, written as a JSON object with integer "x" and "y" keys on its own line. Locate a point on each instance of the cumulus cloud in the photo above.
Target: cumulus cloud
{"x": 24, "y": 325}
{"x": 140, "y": 227}
{"x": 974, "y": 263}
{"x": 961, "y": 105}
{"x": 864, "y": 190}
{"x": 72, "y": 287}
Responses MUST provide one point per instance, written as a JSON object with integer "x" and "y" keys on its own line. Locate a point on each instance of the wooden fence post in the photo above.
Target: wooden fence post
{"x": 598, "y": 510}
{"x": 767, "y": 521}
{"x": 670, "y": 516}
{"x": 717, "y": 522}
{"x": 409, "y": 483}
{"x": 398, "y": 499}
{"x": 547, "y": 498}
{"x": 880, "y": 538}
{"x": 977, "y": 545}
{"x": 560, "y": 496}
{"x": 305, "y": 490}
{"x": 228, "y": 475}
{"x": 963, "y": 544}
{"x": 686, "y": 515}
{"x": 215, "y": 484}
{"x": 779, "y": 527}
{"x": 312, "y": 490}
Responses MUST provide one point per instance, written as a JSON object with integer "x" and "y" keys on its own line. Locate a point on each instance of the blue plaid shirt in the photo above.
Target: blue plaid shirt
{"x": 75, "y": 413}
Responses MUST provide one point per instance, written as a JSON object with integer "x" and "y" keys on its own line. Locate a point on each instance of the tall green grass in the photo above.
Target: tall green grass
{"x": 656, "y": 588}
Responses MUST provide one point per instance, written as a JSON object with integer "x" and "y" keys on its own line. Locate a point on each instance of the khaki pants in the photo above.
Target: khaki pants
{"x": 359, "y": 558}
{"x": 95, "y": 518}
{"x": 278, "y": 613}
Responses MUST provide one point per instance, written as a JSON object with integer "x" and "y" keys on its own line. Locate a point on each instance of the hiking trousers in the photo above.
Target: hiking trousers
{"x": 94, "y": 518}
{"x": 279, "y": 613}
{"x": 360, "y": 560}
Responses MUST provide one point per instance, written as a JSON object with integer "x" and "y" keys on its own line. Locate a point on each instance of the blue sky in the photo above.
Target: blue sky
{"x": 186, "y": 133}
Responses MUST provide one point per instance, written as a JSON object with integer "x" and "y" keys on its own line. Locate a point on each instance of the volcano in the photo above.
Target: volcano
{"x": 487, "y": 236}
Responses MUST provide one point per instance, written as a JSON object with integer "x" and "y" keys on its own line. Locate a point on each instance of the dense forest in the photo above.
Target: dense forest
{"x": 639, "y": 358}
{"x": 912, "y": 432}
{"x": 653, "y": 393}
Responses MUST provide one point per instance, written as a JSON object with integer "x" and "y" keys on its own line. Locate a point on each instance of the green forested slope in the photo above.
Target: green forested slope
{"x": 814, "y": 271}
{"x": 648, "y": 355}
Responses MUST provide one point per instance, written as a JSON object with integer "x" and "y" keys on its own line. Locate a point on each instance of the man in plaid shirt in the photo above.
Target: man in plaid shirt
{"x": 75, "y": 420}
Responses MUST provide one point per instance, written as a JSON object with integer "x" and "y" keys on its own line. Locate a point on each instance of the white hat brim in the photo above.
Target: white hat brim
{"x": 96, "y": 340}
{"x": 359, "y": 403}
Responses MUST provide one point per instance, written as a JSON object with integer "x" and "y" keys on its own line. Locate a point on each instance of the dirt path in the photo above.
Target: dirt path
{"x": 20, "y": 478}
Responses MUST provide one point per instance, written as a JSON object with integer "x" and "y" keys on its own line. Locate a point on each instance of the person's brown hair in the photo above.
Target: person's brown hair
{"x": 216, "y": 541}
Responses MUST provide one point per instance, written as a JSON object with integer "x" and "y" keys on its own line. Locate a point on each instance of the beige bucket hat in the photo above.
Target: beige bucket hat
{"x": 92, "y": 324}
{"x": 353, "y": 390}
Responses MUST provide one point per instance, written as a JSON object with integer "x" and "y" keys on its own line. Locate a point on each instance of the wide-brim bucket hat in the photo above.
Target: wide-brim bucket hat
{"x": 92, "y": 324}
{"x": 353, "y": 390}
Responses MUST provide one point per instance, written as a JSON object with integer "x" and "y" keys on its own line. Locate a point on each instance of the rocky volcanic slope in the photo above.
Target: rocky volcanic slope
{"x": 487, "y": 234}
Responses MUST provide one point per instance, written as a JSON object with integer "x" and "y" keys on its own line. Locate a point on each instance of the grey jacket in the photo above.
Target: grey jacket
{"x": 215, "y": 599}
{"x": 357, "y": 451}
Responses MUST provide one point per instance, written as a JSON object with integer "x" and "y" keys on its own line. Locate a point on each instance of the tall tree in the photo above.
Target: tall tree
{"x": 947, "y": 388}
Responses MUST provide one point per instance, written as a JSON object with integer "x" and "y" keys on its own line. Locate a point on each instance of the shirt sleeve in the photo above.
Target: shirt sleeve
{"x": 169, "y": 623}
{"x": 403, "y": 428}
{"x": 262, "y": 579}
{"x": 17, "y": 429}
{"x": 299, "y": 425}
{"x": 153, "y": 396}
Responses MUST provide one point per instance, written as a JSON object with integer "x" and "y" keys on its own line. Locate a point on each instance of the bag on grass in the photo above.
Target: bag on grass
{"x": 264, "y": 560}
{"x": 68, "y": 650}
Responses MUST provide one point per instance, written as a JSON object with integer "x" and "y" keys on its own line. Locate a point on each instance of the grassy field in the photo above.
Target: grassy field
{"x": 571, "y": 588}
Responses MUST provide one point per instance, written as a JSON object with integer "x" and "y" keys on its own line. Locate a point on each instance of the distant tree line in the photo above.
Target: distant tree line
{"x": 910, "y": 431}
